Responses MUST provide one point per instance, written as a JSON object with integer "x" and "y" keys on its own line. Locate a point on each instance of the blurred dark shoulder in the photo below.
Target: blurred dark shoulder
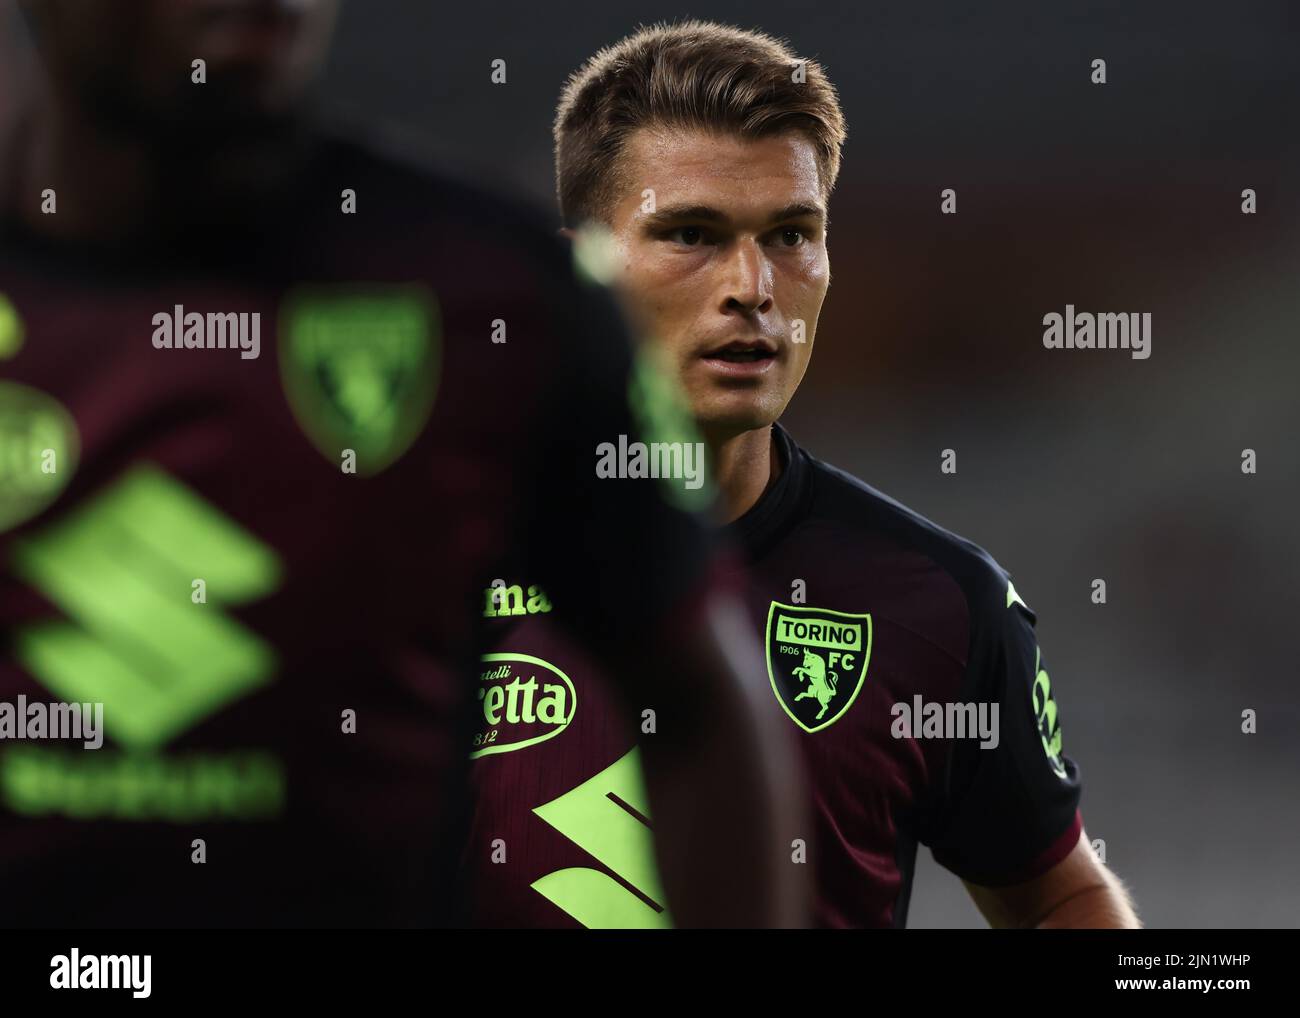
{"x": 846, "y": 502}
{"x": 400, "y": 183}
{"x": 324, "y": 196}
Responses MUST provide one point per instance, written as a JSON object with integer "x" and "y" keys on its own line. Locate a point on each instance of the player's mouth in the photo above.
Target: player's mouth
{"x": 241, "y": 30}
{"x": 742, "y": 359}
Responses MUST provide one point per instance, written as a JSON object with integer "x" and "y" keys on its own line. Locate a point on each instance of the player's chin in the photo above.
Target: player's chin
{"x": 255, "y": 90}
{"x": 728, "y": 413}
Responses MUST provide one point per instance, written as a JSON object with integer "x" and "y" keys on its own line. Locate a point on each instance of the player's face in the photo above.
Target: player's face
{"x": 133, "y": 61}
{"x": 722, "y": 242}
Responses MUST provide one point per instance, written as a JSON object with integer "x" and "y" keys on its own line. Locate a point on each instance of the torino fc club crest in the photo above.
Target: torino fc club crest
{"x": 817, "y": 661}
{"x": 361, "y": 369}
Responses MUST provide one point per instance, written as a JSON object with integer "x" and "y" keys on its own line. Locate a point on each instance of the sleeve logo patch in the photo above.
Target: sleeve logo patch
{"x": 1049, "y": 727}
{"x": 817, "y": 661}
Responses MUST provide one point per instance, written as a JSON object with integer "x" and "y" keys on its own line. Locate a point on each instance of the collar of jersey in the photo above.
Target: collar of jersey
{"x": 780, "y": 506}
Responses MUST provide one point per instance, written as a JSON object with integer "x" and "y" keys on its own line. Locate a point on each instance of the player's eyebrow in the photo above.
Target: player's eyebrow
{"x": 671, "y": 214}
{"x": 799, "y": 210}
{"x": 676, "y": 213}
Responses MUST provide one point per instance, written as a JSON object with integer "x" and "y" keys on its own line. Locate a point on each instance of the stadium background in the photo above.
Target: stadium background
{"x": 1071, "y": 465}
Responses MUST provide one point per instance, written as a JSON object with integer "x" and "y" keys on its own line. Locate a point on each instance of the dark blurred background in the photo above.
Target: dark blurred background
{"x": 1071, "y": 464}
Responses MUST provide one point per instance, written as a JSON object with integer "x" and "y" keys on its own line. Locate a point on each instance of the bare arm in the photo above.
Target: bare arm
{"x": 1077, "y": 893}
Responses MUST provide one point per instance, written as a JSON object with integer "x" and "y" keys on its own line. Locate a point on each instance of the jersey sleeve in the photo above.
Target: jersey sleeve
{"x": 1008, "y": 812}
{"x": 625, "y": 555}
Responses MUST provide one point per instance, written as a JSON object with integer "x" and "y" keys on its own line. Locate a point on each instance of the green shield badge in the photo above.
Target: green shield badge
{"x": 360, "y": 369}
{"x": 817, "y": 661}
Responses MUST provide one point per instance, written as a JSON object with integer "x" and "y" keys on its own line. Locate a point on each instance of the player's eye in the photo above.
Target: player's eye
{"x": 791, "y": 236}
{"x": 688, "y": 235}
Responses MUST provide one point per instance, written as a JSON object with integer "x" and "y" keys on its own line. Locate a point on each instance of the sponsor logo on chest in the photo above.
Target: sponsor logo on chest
{"x": 525, "y": 701}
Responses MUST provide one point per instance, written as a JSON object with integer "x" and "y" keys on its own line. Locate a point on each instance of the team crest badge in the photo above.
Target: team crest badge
{"x": 817, "y": 661}
{"x": 361, "y": 369}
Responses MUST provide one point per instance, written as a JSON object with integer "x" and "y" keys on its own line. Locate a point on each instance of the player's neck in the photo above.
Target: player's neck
{"x": 71, "y": 179}
{"x": 744, "y": 465}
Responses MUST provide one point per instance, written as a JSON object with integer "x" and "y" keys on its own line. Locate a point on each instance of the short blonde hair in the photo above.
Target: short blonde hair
{"x": 694, "y": 74}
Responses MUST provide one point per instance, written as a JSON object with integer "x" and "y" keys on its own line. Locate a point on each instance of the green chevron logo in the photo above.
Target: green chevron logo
{"x": 607, "y": 816}
{"x": 122, "y": 568}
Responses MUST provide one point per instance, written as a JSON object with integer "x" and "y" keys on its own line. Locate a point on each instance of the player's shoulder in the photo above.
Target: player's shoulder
{"x": 485, "y": 251}
{"x": 840, "y": 499}
{"x": 483, "y": 246}
{"x": 405, "y": 183}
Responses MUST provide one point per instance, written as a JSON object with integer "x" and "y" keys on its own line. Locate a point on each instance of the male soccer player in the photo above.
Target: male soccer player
{"x": 259, "y": 452}
{"x": 709, "y": 155}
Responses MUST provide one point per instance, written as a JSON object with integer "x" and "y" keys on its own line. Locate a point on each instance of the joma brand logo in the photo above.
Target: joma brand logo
{"x": 500, "y": 601}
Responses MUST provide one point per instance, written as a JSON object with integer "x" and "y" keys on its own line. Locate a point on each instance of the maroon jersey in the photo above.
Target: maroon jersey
{"x": 253, "y": 480}
{"x": 903, "y": 658}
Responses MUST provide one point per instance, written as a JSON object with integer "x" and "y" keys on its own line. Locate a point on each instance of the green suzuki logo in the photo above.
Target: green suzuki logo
{"x": 121, "y": 568}
{"x": 816, "y": 661}
{"x": 608, "y": 817}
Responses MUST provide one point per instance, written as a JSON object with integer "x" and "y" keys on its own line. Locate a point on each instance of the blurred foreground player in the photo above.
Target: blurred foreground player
{"x": 709, "y": 155}
{"x": 259, "y": 454}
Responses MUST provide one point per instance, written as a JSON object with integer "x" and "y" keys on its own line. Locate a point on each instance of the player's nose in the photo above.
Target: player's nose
{"x": 748, "y": 287}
